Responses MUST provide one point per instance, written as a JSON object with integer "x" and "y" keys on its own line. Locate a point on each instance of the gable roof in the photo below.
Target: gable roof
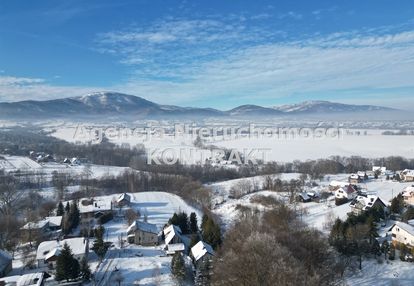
{"x": 78, "y": 245}
{"x": 338, "y": 184}
{"x": 201, "y": 249}
{"x": 405, "y": 226}
{"x": 31, "y": 279}
{"x": 124, "y": 196}
{"x": 170, "y": 232}
{"x": 364, "y": 203}
{"x": 36, "y": 225}
{"x": 408, "y": 191}
{"x": 143, "y": 226}
{"x": 54, "y": 220}
{"x": 98, "y": 204}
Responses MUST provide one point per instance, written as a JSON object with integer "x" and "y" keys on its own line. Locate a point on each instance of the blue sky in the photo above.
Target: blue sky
{"x": 210, "y": 53}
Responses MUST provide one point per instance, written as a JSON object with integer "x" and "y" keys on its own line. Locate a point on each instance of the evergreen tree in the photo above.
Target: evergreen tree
{"x": 212, "y": 233}
{"x": 194, "y": 240}
{"x": 60, "y": 209}
{"x": 202, "y": 275}
{"x": 193, "y": 223}
{"x": 67, "y": 208}
{"x": 397, "y": 204}
{"x": 178, "y": 267}
{"x": 204, "y": 221}
{"x": 173, "y": 219}
{"x": 385, "y": 248}
{"x": 67, "y": 267}
{"x": 99, "y": 246}
{"x": 85, "y": 271}
{"x": 183, "y": 222}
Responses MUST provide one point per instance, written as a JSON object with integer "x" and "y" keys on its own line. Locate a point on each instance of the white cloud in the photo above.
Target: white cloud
{"x": 23, "y": 88}
{"x": 186, "y": 61}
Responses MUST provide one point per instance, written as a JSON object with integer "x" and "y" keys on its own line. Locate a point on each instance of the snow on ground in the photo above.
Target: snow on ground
{"x": 153, "y": 267}
{"x": 287, "y": 150}
{"x": 223, "y": 188}
{"x": 316, "y": 214}
{"x": 382, "y": 274}
{"x": 282, "y": 148}
{"x": 14, "y": 163}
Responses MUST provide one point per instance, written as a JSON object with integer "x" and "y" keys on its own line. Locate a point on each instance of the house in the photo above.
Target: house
{"x": 378, "y": 169}
{"x": 355, "y": 179}
{"x": 5, "y": 263}
{"x": 407, "y": 175}
{"x": 347, "y": 192}
{"x": 363, "y": 203}
{"x": 402, "y": 233}
{"x": 408, "y": 195}
{"x": 303, "y": 197}
{"x": 143, "y": 233}
{"x": 202, "y": 252}
{"x": 48, "y": 251}
{"x": 55, "y": 222}
{"x": 174, "y": 248}
{"x": 42, "y": 228}
{"x": 32, "y": 230}
{"x": 123, "y": 200}
{"x": 334, "y": 185}
{"x": 92, "y": 209}
{"x": 172, "y": 234}
{"x": 30, "y": 279}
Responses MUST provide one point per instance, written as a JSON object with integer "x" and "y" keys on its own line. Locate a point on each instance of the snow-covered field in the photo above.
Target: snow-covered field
{"x": 14, "y": 163}
{"x": 285, "y": 149}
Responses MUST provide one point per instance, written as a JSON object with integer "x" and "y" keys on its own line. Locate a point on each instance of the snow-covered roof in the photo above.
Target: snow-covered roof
{"x": 5, "y": 259}
{"x": 98, "y": 204}
{"x": 200, "y": 249}
{"x": 143, "y": 226}
{"x": 78, "y": 245}
{"x": 31, "y": 279}
{"x": 124, "y": 196}
{"x": 354, "y": 176}
{"x": 361, "y": 173}
{"x": 408, "y": 172}
{"x": 36, "y": 225}
{"x": 175, "y": 247}
{"x": 365, "y": 202}
{"x": 405, "y": 226}
{"x": 54, "y": 220}
{"x": 338, "y": 184}
{"x": 170, "y": 232}
{"x": 304, "y": 196}
{"x": 348, "y": 189}
{"x": 408, "y": 191}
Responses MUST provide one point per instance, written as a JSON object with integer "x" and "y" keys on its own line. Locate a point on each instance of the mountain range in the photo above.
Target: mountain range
{"x": 113, "y": 104}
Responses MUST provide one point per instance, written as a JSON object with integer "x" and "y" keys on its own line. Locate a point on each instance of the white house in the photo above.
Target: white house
{"x": 347, "y": 192}
{"x": 48, "y": 251}
{"x": 403, "y": 233}
{"x": 363, "y": 203}
{"x": 202, "y": 252}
